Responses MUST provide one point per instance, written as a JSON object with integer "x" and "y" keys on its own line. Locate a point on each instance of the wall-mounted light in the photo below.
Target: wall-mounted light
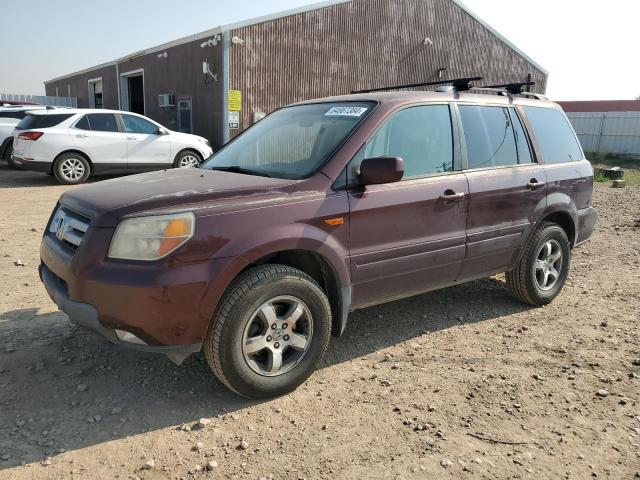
{"x": 237, "y": 40}
{"x": 428, "y": 41}
{"x": 441, "y": 71}
{"x": 162, "y": 55}
{"x": 212, "y": 42}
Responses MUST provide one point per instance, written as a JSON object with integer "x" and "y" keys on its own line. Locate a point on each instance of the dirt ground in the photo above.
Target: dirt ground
{"x": 460, "y": 383}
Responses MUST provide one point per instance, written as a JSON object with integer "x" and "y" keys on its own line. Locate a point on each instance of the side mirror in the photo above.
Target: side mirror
{"x": 161, "y": 132}
{"x": 378, "y": 170}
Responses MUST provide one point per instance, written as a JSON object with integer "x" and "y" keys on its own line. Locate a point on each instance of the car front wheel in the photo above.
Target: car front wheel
{"x": 543, "y": 267}
{"x": 187, "y": 159}
{"x": 71, "y": 169}
{"x": 270, "y": 331}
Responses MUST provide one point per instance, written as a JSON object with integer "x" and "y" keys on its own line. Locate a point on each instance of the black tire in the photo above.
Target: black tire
{"x": 223, "y": 345}
{"x": 180, "y": 158}
{"x": 63, "y": 161}
{"x": 6, "y": 154}
{"x": 524, "y": 281}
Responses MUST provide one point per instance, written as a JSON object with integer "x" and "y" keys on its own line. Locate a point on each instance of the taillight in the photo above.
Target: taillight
{"x": 30, "y": 135}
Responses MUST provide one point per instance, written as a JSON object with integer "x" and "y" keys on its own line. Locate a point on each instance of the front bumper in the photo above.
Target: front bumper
{"x": 163, "y": 306}
{"x": 86, "y": 316}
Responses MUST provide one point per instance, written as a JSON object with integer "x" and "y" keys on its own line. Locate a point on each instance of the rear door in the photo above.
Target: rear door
{"x": 409, "y": 237}
{"x": 507, "y": 188}
{"x": 147, "y": 148}
{"x": 98, "y": 135}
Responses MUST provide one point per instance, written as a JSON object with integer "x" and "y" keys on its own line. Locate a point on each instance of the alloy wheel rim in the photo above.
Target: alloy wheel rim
{"x": 72, "y": 169}
{"x": 277, "y": 336}
{"x": 548, "y": 265}
{"x": 189, "y": 161}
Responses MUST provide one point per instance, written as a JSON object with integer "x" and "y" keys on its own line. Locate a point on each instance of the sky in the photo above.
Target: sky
{"x": 589, "y": 48}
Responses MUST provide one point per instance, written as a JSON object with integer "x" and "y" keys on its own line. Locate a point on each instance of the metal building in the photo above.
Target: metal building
{"x": 218, "y": 82}
{"x": 606, "y": 126}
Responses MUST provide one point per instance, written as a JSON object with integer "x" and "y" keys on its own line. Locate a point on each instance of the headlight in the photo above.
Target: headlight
{"x": 151, "y": 238}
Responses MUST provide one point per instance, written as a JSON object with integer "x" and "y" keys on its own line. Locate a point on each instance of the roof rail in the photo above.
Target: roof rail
{"x": 459, "y": 84}
{"x": 537, "y": 96}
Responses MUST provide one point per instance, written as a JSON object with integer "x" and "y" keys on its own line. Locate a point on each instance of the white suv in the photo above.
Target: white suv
{"x": 10, "y": 116}
{"x": 73, "y": 144}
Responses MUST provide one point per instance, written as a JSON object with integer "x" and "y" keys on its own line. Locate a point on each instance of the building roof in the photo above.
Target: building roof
{"x": 601, "y": 106}
{"x": 275, "y": 16}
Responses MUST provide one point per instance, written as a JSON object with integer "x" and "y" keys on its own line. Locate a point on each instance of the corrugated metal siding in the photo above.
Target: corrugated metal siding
{"x": 49, "y": 100}
{"x": 613, "y": 132}
{"x": 180, "y": 73}
{"x": 365, "y": 43}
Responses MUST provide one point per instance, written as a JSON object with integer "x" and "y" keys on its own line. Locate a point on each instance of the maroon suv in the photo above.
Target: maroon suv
{"x": 322, "y": 208}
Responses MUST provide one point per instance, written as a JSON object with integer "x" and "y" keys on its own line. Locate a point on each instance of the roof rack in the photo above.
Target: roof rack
{"x": 459, "y": 84}
{"x": 515, "y": 88}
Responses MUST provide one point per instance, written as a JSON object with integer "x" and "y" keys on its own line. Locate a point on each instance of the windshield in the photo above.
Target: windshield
{"x": 293, "y": 142}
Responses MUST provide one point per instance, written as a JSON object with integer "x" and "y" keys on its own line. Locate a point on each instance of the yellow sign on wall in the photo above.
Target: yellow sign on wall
{"x": 235, "y": 100}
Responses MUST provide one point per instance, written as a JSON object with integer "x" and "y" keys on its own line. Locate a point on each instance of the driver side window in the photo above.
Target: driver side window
{"x": 422, "y": 136}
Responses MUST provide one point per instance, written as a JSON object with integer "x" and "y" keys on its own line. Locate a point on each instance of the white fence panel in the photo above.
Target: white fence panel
{"x": 608, "y": 132}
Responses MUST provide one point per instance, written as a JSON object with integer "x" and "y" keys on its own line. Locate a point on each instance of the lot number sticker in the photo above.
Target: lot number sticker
{"x": 346, "y": 111}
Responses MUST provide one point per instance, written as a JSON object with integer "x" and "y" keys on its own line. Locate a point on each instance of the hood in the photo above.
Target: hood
{"x": 106, "y": 202}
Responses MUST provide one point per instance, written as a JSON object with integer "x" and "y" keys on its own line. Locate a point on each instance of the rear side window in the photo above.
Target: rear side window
{"x": 16, "y": 115}
{"x": 421, "y": 136}
{"x": 489, "y": 136}
{"x": 42, "y": 121}
{"x": 554, "y": 135}
{"x": 83, "y": 124}
{"x": 103, "y": 122}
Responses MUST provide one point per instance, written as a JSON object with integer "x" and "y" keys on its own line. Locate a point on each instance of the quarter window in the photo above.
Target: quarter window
{"x": 554, "y": 135}
{"x": 103, "y": 122}
{"x": 489, "y": 136}
{"x": 421, "y": 136}
{"x": 133, "y": 124}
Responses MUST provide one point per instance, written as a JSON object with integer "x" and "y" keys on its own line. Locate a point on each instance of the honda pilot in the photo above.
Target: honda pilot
{"x": 324, "y": 207}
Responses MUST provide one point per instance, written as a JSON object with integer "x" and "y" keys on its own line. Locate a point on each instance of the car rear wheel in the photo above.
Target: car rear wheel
{"x": 71, "y": 169}
{"x": 6, "y": 154}
{"x": 187, "y": 159}
{"x": 270, "y": 331}
{"x": 543, "y": 268}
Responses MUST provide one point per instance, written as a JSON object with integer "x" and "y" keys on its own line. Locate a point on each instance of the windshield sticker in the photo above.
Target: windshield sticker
{"x": 346, "y": 111}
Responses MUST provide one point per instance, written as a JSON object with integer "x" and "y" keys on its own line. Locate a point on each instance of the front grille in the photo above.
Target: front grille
{"x": 68, "y": 227}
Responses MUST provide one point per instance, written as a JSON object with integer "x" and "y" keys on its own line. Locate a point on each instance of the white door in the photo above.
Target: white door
{"x": 98, "y": 135}
{"x": 147, "y": 147}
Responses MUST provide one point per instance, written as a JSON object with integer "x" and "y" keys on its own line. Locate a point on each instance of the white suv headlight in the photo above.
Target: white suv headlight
{"x": 151, "y": 238}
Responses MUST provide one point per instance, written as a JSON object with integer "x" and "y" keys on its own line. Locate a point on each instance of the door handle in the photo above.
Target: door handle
{"x": 450, "y": 196}
{"x": 534, "y": 183}
{"x": 132, "y": 138}
{"x": 82, "y": 135}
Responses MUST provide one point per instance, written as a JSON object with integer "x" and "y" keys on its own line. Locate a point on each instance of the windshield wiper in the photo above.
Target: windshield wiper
{"x": 244, "y": 171}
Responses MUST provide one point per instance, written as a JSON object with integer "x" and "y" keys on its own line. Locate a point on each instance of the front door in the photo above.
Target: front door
{"x": 147, "y": 148}
{"x": 408, "y": 237}
{"x": 507, "y": 189}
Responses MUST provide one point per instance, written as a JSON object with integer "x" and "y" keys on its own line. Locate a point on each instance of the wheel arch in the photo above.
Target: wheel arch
{"x": 566, "y": 221}
{"x": 320, "y": 268}
{"x": 187, "y": 149}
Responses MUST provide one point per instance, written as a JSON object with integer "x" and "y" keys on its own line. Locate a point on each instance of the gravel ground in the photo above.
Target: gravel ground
{"x": 460, "y": 383}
